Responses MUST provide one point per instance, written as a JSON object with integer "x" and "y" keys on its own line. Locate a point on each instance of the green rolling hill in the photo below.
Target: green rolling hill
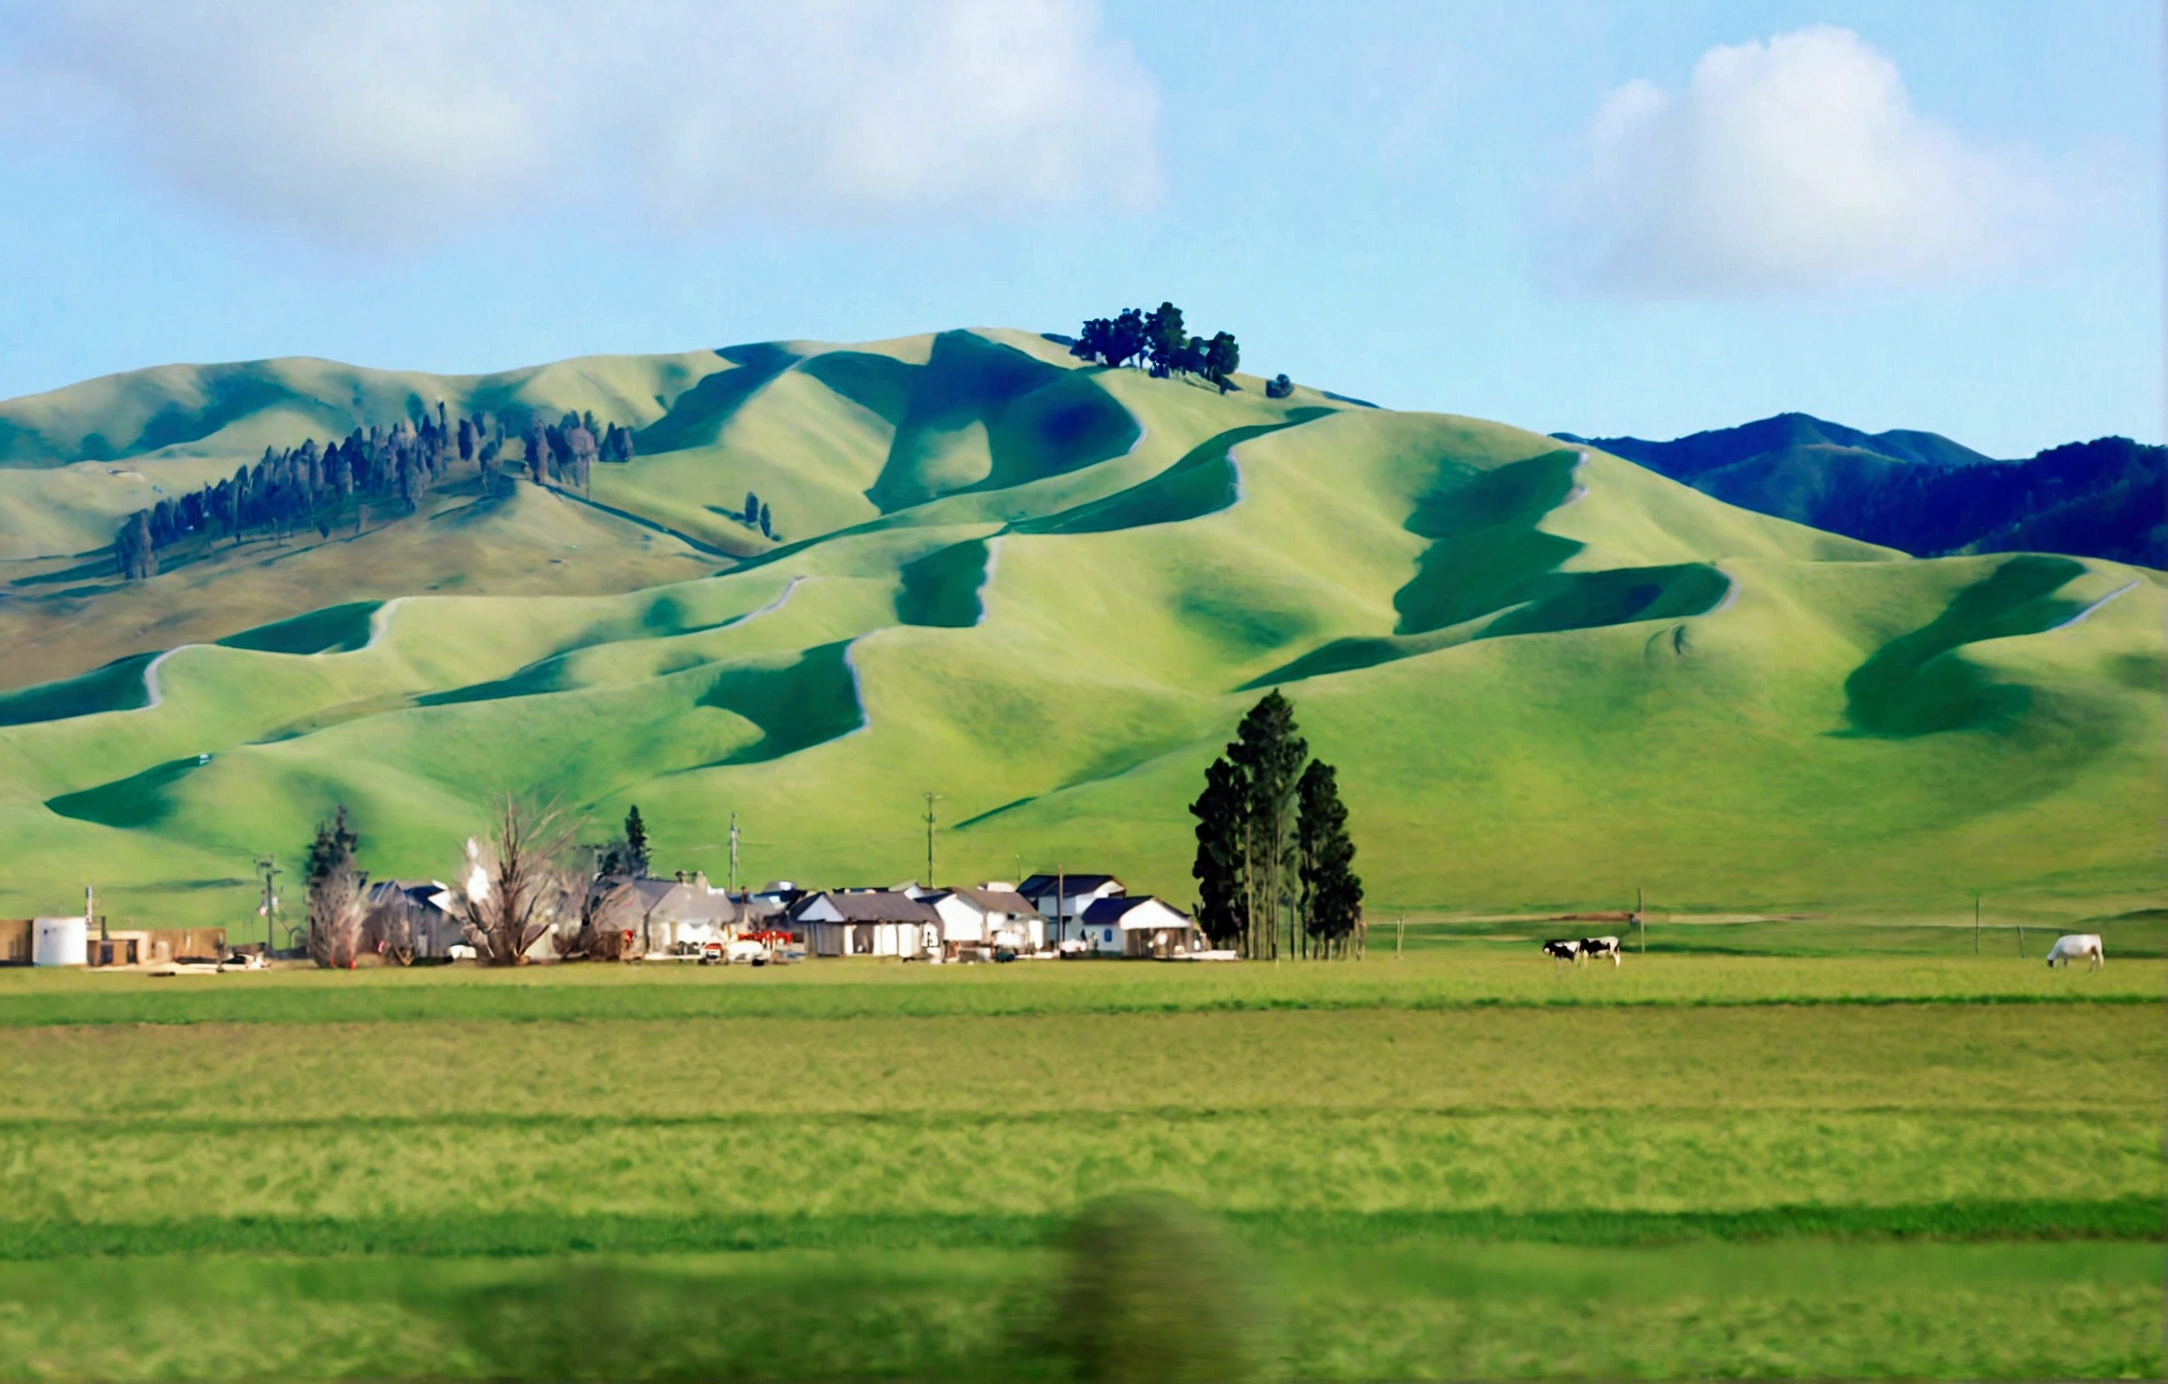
{"x": 1045, "y": 592}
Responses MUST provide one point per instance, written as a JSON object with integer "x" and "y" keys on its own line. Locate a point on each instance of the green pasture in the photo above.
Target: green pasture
{"x": 848, "y": 1169}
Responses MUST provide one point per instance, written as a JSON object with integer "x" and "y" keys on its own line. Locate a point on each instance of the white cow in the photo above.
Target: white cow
{"x": 2071, "y": 946}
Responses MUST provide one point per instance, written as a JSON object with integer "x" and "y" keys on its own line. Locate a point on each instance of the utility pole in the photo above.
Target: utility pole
{"x": 931, "y": 798}
{"x": 733, "y": 886}
{"x": 1061, "y": 926}
{"x": 1975, "y": 924}
{"x": 268, "y": 867}
{"x": 90, "y": 912}
{"x": 1400, "y": 935}
{"x": 1641, "y": 921}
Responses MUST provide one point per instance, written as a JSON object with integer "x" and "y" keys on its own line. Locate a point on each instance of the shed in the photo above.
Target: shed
{"x": 867, "y": 922}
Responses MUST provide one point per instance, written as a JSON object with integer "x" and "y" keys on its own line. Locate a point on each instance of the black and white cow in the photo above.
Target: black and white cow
{"x": 1562, "y": 949}
{"x": 1599, "y": 948}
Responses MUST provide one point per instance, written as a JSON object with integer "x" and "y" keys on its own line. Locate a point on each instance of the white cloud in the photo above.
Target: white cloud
{"x": 401, "y": 121}
{"x": 1787, "y": 165}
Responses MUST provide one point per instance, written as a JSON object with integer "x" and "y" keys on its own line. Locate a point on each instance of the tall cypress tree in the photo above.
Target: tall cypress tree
{"x": 635, "y": 844}
{"x": 1220, "y": 832}
{"x": 1270, "y": 755}
{"x": 1332, "y": 893}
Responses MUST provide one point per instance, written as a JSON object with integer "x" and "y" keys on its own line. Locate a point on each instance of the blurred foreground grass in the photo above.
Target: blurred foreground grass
{"x": 1460, "y": 1164}
{"x": 1786, "y": 1309}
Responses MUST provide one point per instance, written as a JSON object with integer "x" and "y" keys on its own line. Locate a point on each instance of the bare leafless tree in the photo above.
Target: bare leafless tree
{"x": 393, "y": 930}
{"x": 337, "y": 907}
{"x": 606, "y": 906}
{"x": 511, "y": 890}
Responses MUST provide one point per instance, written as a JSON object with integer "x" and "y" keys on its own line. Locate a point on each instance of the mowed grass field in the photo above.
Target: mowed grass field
{"x": 1460, "y": 1163}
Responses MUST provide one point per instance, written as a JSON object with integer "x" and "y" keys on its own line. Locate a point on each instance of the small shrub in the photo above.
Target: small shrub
{"x": 1154, "y": 1291}
{"x": 1279, "y": 387}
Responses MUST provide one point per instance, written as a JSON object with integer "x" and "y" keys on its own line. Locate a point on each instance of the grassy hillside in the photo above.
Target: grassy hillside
{"x": 1047, "y": 593}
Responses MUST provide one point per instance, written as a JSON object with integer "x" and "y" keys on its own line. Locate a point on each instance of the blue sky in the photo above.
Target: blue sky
{"x": 1592, "y": 217}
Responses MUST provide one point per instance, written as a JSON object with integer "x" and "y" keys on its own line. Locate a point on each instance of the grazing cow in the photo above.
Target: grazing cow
{"x": 2070, "y": 947}
{"x": 1562, "y": 949}
{"x": 1600, "y": 947}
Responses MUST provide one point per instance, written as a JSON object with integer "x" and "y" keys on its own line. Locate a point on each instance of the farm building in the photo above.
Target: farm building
{"x": 684, "y": 911}
{"x": 155, "y": 946}
{"x": 1076, "y": 893}
{"x": 1142, "y": 926}
{"x": 866, "y": 922}
{"x": 427, "y": 920}
{"x": 992, "y": 915}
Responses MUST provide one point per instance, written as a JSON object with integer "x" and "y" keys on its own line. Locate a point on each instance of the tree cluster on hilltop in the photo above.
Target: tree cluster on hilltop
{"x": 324, "y": 486}
{"x": 1159, "y": 341}
{"x": 1272, "y": 844}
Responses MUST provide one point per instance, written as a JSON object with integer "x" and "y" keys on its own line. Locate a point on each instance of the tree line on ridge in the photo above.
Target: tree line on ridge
{"x": 323, "y": 486}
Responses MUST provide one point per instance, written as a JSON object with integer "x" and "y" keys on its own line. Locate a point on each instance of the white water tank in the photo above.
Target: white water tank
{"x": 60, "y": 942}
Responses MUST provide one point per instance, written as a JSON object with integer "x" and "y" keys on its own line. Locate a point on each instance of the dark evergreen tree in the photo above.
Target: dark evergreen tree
{"x": 1331, "y": 892}
{"x": 752, "y": 508}
{"x": 636, "y": 859}
{"x": 1279, "y": 387}
{"x": 1129, "y": 337}
{"x": 1095, "y": 341}
{"x": 767, "y": 526}
{"x": 1221, "y": 835}
{"x": 1165, "y": 339}
{"x": 1222, "y": 357}
{"x": 1270, "y": 755}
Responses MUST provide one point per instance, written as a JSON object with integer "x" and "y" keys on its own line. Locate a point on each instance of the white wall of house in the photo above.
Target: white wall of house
{"x": 1073, "y": 906}
{"x": 961, "y": 920}
{"x": 1135, "y": 932}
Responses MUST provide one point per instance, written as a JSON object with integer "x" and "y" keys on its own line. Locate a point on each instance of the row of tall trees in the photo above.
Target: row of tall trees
{"x": 1274, "y": 856}
{"x": 1159, "y": 341}
{"x": 323, "y": 486}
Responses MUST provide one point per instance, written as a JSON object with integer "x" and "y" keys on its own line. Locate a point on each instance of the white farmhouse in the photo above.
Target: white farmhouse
{"x": 1076, "y": 893}
{"x": 1142, "y": 926}
{"x": 992, "y": 915}
{"x": 668, "y": 914}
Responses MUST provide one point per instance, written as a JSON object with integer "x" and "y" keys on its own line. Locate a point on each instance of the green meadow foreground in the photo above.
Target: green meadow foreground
{"x": 1460, "y": 1163}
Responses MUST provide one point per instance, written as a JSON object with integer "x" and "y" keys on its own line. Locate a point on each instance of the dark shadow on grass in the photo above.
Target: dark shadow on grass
{"x": 1040, "y": 420}
{"x": 941, "y": 589}
{"x": 118, "y": 686}
{"x": 1201, "y": 482}
{"x": 1918, "y": 684}
{"x": 333, "y": 629}
{"x": 696, "y": 417}
{"x": 805, "y": 703}
{"x": 140, "y": 800}
{"x": 1488, "y": 558}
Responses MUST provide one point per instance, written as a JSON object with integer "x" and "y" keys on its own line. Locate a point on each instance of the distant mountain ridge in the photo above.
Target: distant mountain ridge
{"x": 1921, "y": 492}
